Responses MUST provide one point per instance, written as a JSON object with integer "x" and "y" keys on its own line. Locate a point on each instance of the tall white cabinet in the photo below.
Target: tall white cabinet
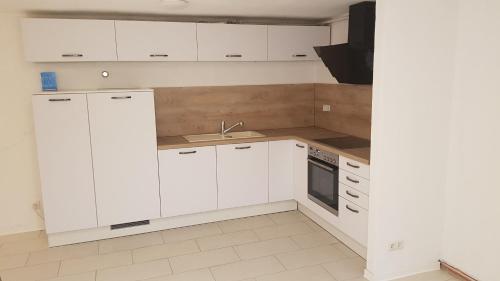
{"x": 65, "y": 162}
{"x": 124, "y": 154}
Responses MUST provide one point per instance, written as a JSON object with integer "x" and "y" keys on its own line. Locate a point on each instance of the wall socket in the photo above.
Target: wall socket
{"x": 327, "y": 107}
{"x": 396, "y": 245}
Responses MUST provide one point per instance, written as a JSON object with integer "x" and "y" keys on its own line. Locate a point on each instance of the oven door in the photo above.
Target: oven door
{"x": 323, "y": 184}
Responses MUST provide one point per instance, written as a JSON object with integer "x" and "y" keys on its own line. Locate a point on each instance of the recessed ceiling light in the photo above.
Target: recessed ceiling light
{"x": 174, "y": 3}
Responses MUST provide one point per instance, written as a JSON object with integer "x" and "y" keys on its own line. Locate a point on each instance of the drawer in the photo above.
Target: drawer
{"x": 353, "y": 195}
{"x": 355, "y": 167}
{"x": 354, "y": 181}
{"x": 353, "y": 221}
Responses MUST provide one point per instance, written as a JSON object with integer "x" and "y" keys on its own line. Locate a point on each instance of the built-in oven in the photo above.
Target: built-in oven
{"x": 323, "y": 179}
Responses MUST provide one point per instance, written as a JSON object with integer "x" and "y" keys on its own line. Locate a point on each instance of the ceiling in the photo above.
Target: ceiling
{"x": 306, "y": 9}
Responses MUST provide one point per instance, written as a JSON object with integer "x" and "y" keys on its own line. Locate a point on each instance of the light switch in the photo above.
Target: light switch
{"x": 326, "y": 107}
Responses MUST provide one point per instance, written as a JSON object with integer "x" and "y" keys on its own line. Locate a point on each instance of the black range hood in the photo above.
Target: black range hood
{"x": 352, "y": 63}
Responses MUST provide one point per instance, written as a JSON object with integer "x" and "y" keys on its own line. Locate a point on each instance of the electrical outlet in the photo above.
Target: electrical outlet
{"x": 326, "y": 107}
{"x": 396, "y": 245}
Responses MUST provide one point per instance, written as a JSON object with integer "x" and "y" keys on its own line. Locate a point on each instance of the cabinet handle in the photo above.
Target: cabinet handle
{"x": 121, "y": 98}
{"x": 59, "y": 99}
{"x": 352, "y": 195}
{"x": 72, "y": 55}
{"x": 234, "y": 56}
{"x": 243, "y": 147}
{"x": 299, "y": 145}
{"x": 187, "y": 152}
{"x": 299, "y": 55}
{"x": 158, "y": 55}
{"x": 351, "y": 180}
{"x": 352, "y": 210}
{"x": 320, "y": 165}
{"x": 352, "y": 165}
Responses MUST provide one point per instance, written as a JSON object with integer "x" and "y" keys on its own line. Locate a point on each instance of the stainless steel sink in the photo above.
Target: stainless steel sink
{"x": 228, "y": 136}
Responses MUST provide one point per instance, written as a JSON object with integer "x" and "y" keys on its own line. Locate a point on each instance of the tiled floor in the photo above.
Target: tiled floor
{"x": 284, "y": 246}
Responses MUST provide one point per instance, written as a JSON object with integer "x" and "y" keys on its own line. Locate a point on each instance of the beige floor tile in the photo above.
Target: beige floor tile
{"x": 247, "y": 269}
{"x": 284, "y": 230}
{"x": 129, "y": 242}
{"x": 311, "y": 273}
{"x": 139, "y": 271}
{"x": 348, "y": 252}
{"x": 190, "y": 232}
{"x": 314, "y": 225}
{"x": 346, "y": 269}
{"x": 203, "y": 259}
{"x": 20, "y": 236}
{"x": 75, "y": 266}
{"x": 312, "y": 256}
{"x": 23, "y": 246}
{"x": 197, "y": 275}
{"x": 31, "y": 273}
{"x": 64, "y": 252}
{"x": 245, "y": 223}
{"x": 266, "y": 248}
{"x": 164, "y": 251}
{"x": 10, "y": 262}
{"x": 314, "y": 239}
{"x": 288, "y": 217}
{"x": 438, "y": 275}
{"x": 87, "y": 276}
{"x": 227, "y": 240}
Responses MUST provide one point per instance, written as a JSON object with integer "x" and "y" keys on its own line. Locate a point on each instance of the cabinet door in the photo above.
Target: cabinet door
{"x": 56, "y": 40}
{"x": 125, "y": 157}
{"x": 300, "y": 171}
{"x": 280, "y": 171}
{"x": 353, "y": 221}
{"x": 232, "y": 42}
{"x": 65, "y": 162}
{"x": 188, "y": 181}
{"x": 287, "y": 43}
{"x": 354, "y": 167}
{"x": 156, "y": 41}
{"x": 242, "y": 174}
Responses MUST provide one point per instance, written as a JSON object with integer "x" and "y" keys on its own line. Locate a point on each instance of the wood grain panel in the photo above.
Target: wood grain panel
{"x": 351, "y": 108}
{"x": 196, "y": 110}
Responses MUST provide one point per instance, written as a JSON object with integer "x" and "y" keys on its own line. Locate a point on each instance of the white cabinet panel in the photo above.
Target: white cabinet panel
{"x": 354, "y": 220}
{"x": 232, "y": 42}
{"x": 300, "y": 171}
{"x": 340, "y": 32}
{"x": 122, "y": 126}
{"x": 354, "y": 167}
{"x": 242, "y": 174}
{"x": 59, "y": 40}
{"x": 156, "y": 41}
{"x": 287, "y": 43}
{"x": 354, "y": 195}
{"x": 280, "y": 171}
{"x": 352, "y": 180}
{"x": 64, "y": 157}
{"x": 188, "y": 181}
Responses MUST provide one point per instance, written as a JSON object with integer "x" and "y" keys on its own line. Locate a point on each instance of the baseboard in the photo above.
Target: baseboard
{"x": 457, "y": 273}
{"x": 394, "y": 276}
{"x": 72, "y": 237}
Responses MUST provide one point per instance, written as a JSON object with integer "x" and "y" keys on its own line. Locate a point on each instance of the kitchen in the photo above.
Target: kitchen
{"x": 250, "y": 124}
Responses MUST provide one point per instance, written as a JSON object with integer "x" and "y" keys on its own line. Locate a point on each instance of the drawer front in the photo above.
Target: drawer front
{"x": 354, "y": 181}
{"x": 354, "y": 221}
{"x": 354, "y": 196}
{"x": 355, "y": 167}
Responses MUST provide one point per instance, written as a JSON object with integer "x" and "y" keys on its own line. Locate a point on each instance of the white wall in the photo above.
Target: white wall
{"x": 472, "y": 217}
{"x": 412, "y": 92}
{"x": 19, "y": 179}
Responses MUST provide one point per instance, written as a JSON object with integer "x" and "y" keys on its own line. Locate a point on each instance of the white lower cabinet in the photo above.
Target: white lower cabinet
{"x": 188, "y": 182}
{"x": 242, "y": 174}
{"x": 299, "y": 151}
{"x": 354, "y": 221}
{"x": 280, "y": 171}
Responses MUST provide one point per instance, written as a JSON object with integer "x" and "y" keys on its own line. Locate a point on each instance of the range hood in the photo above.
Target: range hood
{"x": 352, "y": 63}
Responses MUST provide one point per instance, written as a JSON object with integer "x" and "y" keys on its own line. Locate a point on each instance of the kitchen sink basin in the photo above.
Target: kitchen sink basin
{"x": 228, "y": 136}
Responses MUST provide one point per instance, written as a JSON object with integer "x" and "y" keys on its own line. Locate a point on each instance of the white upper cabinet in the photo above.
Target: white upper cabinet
{"x": 156, "y": 41}
{"x": 64, "y": 158}
{"x": 288, "y": 43}
{"x": 60, "y": 40}
{"x": 125, "y": 156}
{"x": 232, "y": 42}
{"x": 280, "y": 171}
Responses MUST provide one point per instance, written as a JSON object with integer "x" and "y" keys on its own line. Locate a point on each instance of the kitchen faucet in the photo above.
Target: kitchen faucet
{"x": 223, "y": 130}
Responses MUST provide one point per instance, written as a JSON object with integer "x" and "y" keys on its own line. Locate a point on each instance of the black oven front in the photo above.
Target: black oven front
{"x": 323, "y": 179}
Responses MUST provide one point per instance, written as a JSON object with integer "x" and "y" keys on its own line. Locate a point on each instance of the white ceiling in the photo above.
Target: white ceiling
{"x": 313, "y": 9}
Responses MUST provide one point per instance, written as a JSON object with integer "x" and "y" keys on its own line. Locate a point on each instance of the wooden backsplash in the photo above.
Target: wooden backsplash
{"x": 195, "y": 110}
{"x": 351, "y": 108}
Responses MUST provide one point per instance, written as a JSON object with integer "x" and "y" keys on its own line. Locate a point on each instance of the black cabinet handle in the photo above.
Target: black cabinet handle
{"x": 121, "y": 98}
{"x": 158, "y": 55}
{"x": 72, "y": 55}
{"x": 243, "y": 147}
{"x": 352, "y": 210}
{"x": 234, "y": 56}
{"x": 299, "y": 55}
{"x": 187, "y": 152}
{"x": 352, "y": 195}
{"x": 299, "y": 145}
{"x": 352, "y": 165}
{"x": 59, "y": 99}
{"x": 351, "y": 180}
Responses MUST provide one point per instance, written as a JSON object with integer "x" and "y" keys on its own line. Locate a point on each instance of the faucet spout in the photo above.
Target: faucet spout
{"x": 224, "y": 130}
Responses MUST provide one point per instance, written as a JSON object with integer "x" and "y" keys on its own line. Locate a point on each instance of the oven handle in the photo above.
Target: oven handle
{"x": 320, "y": 165}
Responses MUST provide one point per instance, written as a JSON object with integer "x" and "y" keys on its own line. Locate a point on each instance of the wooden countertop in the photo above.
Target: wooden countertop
{"x": 306, "y": 135}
